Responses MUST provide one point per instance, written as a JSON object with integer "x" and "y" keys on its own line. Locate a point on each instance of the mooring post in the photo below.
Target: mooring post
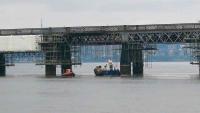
{"x": 2, "y": 65}
{"x": 137, "y": 60}
{"x": 125, "y": 63}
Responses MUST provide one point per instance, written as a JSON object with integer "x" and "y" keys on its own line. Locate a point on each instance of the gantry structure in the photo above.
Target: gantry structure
{"x": 59, "y": 43}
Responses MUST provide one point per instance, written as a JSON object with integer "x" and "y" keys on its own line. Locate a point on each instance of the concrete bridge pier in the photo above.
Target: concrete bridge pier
{"x": 125, "y": 63}
{"x": 137, "y": 65}
{"x": 65, "y": 57}
{"x": 137, "y": 60}
{"x": 2, "y": 65}
{"x": 50, "y": 70}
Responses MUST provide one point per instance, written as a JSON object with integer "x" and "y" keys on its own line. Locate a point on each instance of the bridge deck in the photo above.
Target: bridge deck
{"x": 99, "y": 35}
{"x": 95, "y": 29}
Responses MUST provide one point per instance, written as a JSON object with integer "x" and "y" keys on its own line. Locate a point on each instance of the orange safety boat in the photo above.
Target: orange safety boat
{"x": 68, "y": 73}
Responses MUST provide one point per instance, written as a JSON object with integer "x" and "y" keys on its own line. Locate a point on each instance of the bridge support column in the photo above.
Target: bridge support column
{"x": 66, "y": 57}
{"x": 137, "y": 60}
{"x": 50, "y": 70}
{"x": 2, "y": 65}
{"x": 125, "y": 63}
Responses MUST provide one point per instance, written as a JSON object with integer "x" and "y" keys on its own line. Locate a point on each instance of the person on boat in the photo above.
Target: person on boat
{"x": 98, "y": 71}
{"x": 95, "y": 69}
{"x": 105, "y": 68}
{"x": 110, "y": 64}
{"x": 116, "y": 70}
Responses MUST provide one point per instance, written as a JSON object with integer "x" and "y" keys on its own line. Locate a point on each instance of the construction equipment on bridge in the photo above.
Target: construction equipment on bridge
{"x": 193, "y": 47}
{"x": 58, "y": 51}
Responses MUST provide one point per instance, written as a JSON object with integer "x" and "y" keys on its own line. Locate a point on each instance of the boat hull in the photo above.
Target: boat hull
{"x": 68, "y": 75}
{"x": 114, "y": 73}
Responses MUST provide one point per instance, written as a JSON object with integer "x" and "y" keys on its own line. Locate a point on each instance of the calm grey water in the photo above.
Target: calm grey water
{"x": 166, "y": 88}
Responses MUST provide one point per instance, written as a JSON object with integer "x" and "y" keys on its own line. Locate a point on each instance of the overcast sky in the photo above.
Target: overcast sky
{"x": 28, "y": 13}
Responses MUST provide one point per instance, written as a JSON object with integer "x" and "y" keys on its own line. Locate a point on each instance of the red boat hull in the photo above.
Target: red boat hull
{"x": 70, "y": 74}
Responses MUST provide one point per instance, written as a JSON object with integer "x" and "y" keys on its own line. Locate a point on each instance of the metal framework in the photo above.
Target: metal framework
{"x": 160, "y": 33}
{"x": 58, "y": 51}
{"x": 60, "y": 43}
{"x": 126, "y": 37}
{"x": 12, "y": 57}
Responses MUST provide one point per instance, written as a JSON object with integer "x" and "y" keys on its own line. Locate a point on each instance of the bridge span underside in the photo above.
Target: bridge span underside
{"x": 57, "y": 42}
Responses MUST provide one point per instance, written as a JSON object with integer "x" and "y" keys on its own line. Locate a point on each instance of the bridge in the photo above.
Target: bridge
{"x": 59, "y": 43}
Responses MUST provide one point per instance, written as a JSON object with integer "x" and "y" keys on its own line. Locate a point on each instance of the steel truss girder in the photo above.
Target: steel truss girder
{"x": 144, "y": 37}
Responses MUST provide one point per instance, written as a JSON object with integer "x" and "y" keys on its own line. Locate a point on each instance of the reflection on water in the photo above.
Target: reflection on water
{"x": 166, "y": 88}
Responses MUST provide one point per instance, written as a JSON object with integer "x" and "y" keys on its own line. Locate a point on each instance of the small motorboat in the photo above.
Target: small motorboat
{"x": 68, "y": 73}
{"x": 100, "y": 72}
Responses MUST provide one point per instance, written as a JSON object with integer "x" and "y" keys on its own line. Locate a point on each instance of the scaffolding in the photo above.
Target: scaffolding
{"x": 58, "y": 50}
{"x": 193, "y": 48}
{"x": 148, "y": 51}
{"x": 9, "y": 59}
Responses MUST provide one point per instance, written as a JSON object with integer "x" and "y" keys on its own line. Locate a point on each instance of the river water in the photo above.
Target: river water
{"x": 165, "y": 88}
